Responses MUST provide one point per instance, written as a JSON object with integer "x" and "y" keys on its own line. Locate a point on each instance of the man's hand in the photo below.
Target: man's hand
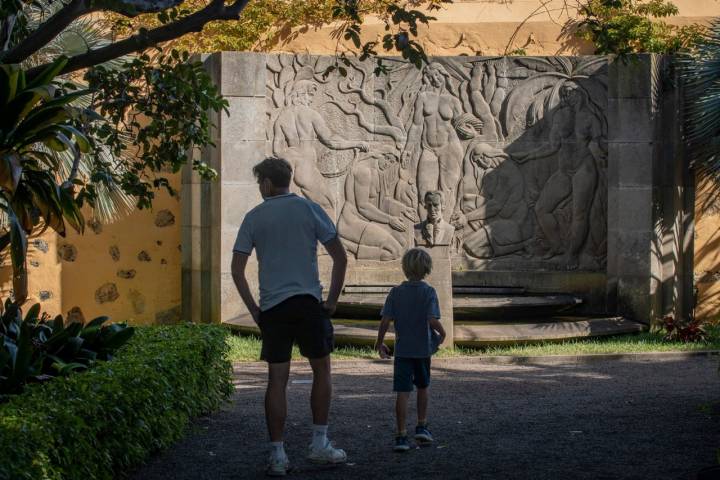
{"x": 329, "y": 307}
{"x": 383, "y": 351}
{"x": 363, "y": 146}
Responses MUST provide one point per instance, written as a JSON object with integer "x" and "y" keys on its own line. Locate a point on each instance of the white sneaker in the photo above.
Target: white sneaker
{"x": 327, "y": 455}
{"x": 277, "y": 467}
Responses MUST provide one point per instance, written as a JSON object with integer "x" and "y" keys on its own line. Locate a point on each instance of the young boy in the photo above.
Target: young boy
{"x": 413, "y": 307}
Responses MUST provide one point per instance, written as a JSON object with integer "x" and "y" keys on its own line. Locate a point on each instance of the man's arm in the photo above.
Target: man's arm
{"x": 437, "y": 326}
{"x": 337, "y": 252}
{"x": 380, "y": 346}
{"x": 239, "y": 262}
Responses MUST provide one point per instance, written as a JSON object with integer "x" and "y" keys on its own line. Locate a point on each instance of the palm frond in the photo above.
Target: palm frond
{"x": 700, "y": 72}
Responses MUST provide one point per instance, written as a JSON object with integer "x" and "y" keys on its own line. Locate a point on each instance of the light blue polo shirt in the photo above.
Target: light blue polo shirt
{"x": 284, "y": 230}
{"x": 410, "y": 305}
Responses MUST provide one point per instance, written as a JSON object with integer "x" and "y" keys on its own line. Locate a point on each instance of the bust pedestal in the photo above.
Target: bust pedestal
{"x": 441, "y": 281}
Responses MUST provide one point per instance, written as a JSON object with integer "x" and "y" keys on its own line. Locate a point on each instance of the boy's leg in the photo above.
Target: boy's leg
{"x": 401, "y": 406}
{"x": 422, "y": 405}
{"x": 276, "y": 399}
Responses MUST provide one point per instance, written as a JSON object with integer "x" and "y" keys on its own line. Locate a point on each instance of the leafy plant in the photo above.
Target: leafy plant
{"x": 38, "y": 122}
{"x": 684, "y": 330}
{"x": 632, "y": 26}
{"x": 101, "y": 424}
{"x": 700, "y": 71}
{"x": 36, "y": 348}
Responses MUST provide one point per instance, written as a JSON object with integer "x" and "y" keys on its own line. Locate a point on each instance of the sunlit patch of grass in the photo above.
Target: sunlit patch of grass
{"x": 247, "y": 348}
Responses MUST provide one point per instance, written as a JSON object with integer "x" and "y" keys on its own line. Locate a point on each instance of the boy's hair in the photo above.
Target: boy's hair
{"x": 277, "y": 170}
{"x": 416, "y": 263}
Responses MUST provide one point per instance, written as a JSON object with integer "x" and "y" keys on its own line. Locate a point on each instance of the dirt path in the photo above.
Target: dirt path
{"x": 645, "y": 418}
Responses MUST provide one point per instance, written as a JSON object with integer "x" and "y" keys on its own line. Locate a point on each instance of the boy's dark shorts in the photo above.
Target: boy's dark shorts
{"x": 300, "y": 319}
{"x": 409, "y": 372}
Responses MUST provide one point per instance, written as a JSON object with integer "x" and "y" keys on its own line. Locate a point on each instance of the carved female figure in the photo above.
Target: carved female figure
{"x": 373, "y": 225}
{"x": 433, "y": 150}
{"x": 576, "y": 141}
{"x": 297, "y": 127}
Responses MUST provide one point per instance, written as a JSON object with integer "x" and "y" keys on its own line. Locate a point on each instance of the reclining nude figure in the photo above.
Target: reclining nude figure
{"x": 373, "y": 225}
{"x": 295, "y": 131}
{"x": 493, "y": 208}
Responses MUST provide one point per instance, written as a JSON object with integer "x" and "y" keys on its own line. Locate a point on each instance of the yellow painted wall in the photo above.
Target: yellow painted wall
{"x": 153, "y": 294}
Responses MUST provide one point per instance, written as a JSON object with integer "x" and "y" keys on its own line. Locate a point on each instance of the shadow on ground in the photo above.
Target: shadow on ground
{"x": 610, "y": 419}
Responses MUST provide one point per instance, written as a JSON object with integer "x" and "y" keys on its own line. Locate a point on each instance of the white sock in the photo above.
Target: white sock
{"x": 319, "y": 439}
{"x": 277, "y": 450}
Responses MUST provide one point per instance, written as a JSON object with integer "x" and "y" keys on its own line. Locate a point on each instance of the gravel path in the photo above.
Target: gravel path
{"x": 642, "y": 418}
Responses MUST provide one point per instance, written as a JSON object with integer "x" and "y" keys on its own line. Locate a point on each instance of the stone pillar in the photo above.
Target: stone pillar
{"x": 441, "y": 281}
{"x": 646, "y": 195}
{"x": 214, "y": 211}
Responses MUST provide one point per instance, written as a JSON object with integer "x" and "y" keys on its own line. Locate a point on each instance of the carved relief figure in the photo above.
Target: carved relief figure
{"x": 576, "y": 141}
{"x": 433, "y": 150}
{"x": 492, "y": 218}
{"x": 434, "y": 230}
{"x": 295, "y": 130}
{"x": 374, "y": 225}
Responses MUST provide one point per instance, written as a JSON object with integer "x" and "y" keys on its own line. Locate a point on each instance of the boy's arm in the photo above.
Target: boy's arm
{"x": 437, "y": 326}
{"x": 380, "y": 346}
{"x": 239, "y": 262}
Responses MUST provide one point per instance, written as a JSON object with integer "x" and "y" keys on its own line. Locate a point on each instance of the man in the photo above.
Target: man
{"x": 434, "y": 230}
{"x": 284, "y": 231}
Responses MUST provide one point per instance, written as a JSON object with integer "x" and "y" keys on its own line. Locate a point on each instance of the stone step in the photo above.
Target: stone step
{"x": 470, "y": 307}
{"x": 482, "y": 333}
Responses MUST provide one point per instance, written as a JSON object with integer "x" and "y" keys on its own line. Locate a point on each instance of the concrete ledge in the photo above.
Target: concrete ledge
{"x": 480, "y": 334}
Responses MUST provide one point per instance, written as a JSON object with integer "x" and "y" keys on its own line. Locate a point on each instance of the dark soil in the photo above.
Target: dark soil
{"x": 645, "y": 418}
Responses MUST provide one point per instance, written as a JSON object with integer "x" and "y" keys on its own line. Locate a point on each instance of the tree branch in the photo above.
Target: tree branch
{"x": 216, "y": 10}
{"x": 47, "y": 31}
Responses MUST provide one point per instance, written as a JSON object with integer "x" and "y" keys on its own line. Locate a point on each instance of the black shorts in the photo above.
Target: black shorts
{"x": 411, "y": 371}
{"x": 300, "y": 319}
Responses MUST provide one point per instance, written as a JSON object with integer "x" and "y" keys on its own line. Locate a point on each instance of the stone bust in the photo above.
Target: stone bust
{"x": 434, "y": 230}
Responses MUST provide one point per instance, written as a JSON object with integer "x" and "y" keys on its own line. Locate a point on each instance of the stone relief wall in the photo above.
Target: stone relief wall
{"x": 516, "y": 145}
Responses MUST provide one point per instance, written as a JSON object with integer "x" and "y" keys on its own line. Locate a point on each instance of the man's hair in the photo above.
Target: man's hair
{"x": 277, "y": 170}
{"x": 416, "y": 263}
{"x": 433, "y": 194}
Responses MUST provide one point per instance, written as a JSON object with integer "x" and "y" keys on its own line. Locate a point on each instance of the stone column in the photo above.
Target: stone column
{"x": 441, "y": 281}
{"x": 214, "y": 211}
{"x": 646, "y": 195}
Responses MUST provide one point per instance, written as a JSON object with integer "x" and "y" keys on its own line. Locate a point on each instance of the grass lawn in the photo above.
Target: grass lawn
{"x": 247, "y": 348}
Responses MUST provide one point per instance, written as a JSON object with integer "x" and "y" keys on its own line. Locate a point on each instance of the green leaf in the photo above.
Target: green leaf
{"x": 49, "y": 74}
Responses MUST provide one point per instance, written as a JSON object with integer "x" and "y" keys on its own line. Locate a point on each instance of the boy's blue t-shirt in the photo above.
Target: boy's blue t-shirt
{"x": 410, "y": 305}
{"x": 284, "y": 232}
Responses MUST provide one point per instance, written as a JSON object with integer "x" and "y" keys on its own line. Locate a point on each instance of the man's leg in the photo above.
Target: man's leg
{"x": 321, "y": 390}
{"x": 276, "y": 399}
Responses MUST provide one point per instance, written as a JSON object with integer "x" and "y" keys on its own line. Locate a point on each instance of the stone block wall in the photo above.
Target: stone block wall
{"x": 565, "y": 175}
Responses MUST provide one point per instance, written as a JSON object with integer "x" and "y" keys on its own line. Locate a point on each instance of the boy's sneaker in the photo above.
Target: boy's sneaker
{"x": 423, "y": 435}
{"x": 401, "y": 443}
{"x": 277, "y": 467}
{"x": 327, "y": 455}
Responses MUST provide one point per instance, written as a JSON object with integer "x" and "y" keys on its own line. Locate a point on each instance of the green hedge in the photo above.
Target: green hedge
{"x": 101, "y": 423}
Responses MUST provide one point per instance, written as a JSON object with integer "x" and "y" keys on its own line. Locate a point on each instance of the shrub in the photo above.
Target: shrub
{"x": 37, "y": 349}
{"x": 100, "y": 423}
